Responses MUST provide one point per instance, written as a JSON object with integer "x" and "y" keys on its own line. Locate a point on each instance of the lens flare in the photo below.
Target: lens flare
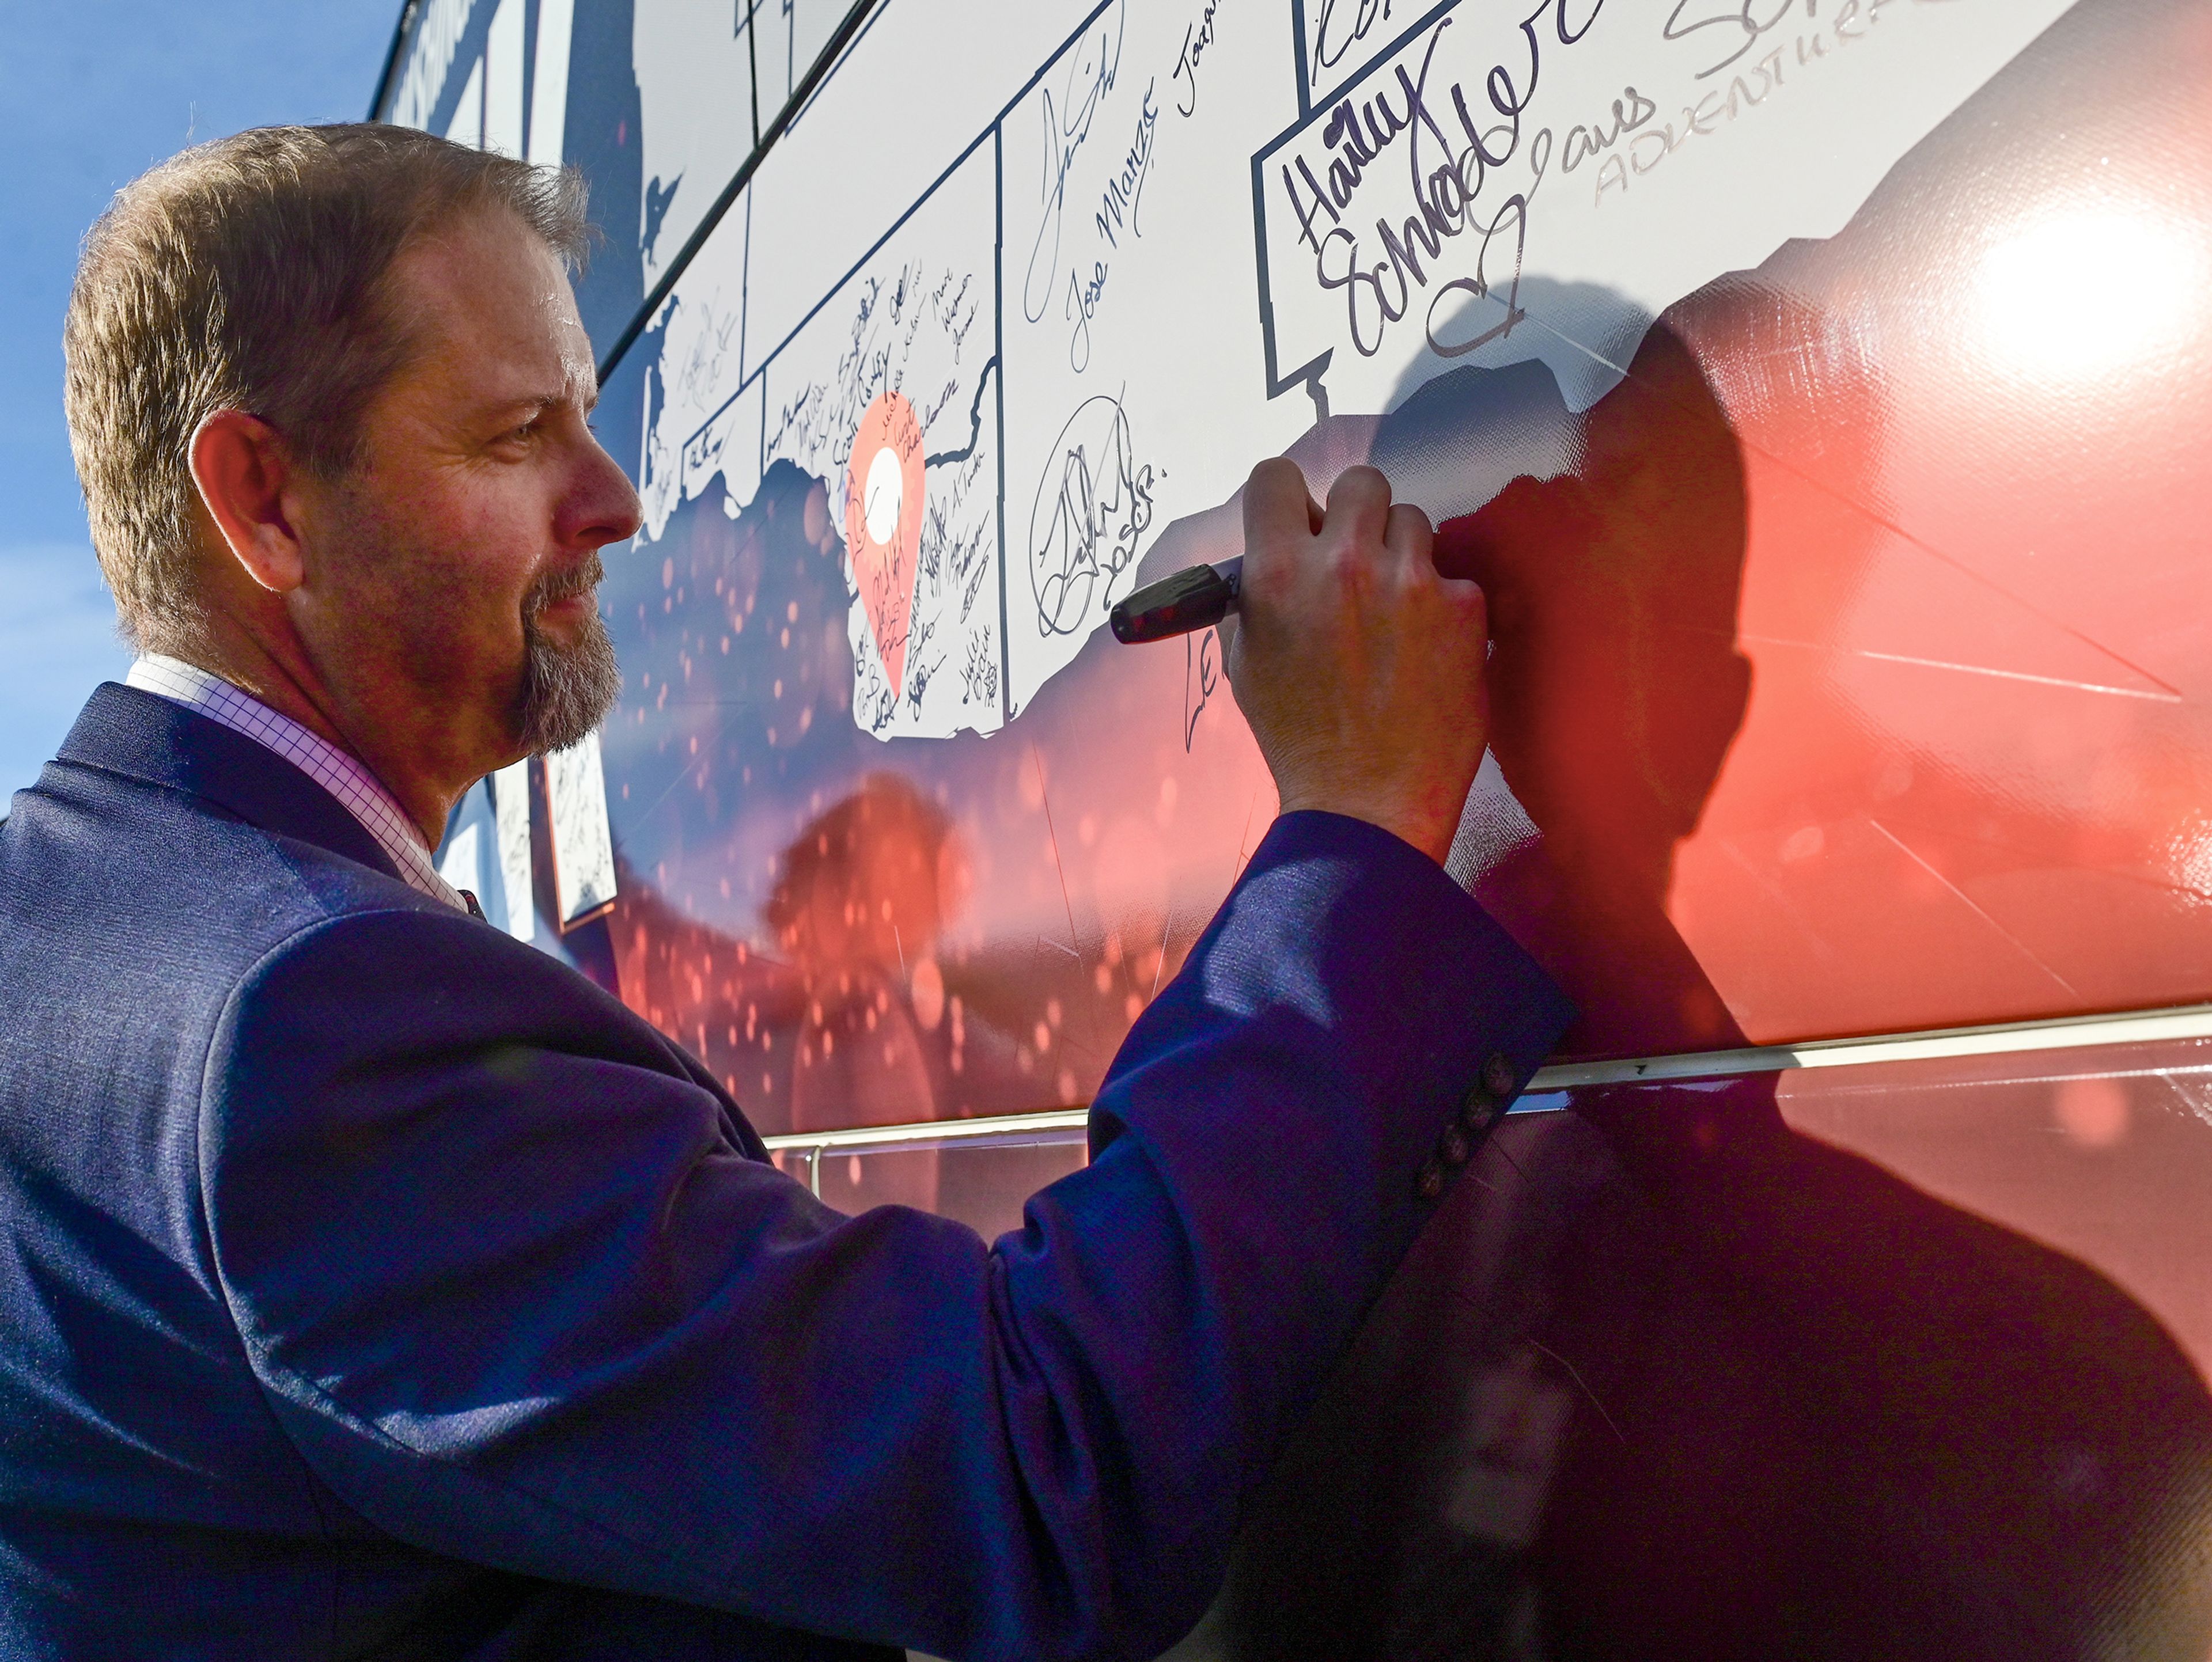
{"x": 2091, "y": 292}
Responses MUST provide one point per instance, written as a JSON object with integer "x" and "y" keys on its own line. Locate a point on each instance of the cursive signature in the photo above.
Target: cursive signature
{"x": 1082, "y": 305}
{"x": 1755, "y": 80}
{"x": 1067, "y": 119}
{"x": 919, "y": 673}
{"x": 1197, "y": 37}
{"x": 1201, "y": 675}
{"x": 1452, "y": 148}
{"x": 979, "y": 676}
{"x": 1124, "y": 193}
{"x": 1337, "y": 28}
{"x": 1744, "y": 23}
{"x": 1093, "y": 502}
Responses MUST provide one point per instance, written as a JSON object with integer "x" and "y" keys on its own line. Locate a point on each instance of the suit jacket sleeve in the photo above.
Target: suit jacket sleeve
{"x": 517, "y": 1296}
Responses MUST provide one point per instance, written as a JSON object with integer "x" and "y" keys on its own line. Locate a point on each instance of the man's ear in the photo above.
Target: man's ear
{"x": 243, "y": 470}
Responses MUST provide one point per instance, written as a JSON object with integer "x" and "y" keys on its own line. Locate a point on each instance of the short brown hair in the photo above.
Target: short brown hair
{"x": 250, "y": 273}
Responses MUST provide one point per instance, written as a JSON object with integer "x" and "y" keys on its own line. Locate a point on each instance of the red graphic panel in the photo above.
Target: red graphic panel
{"x": 1850, "y": 675}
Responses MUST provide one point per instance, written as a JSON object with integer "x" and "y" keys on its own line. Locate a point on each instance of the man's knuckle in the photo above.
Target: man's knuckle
{"x": 1346, "y": 561}
{"x": 1359, "y": 489}
{"x": 1409, "y": 517}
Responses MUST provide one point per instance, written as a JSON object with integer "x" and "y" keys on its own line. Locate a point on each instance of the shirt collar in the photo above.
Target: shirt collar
{"x": 358, "y": 790}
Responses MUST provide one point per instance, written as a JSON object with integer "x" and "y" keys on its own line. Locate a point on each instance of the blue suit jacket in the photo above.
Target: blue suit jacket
{"x": 371, "y": 1285}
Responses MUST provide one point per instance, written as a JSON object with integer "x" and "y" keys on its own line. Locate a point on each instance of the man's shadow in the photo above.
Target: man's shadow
{"x": 1664, "y": 1378}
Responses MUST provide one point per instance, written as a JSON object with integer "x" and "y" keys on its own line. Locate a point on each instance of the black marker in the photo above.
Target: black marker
{"x": 1191, "y": 600}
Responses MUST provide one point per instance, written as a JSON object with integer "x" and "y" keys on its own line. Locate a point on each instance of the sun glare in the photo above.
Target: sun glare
{"x": 2091, "y": 292}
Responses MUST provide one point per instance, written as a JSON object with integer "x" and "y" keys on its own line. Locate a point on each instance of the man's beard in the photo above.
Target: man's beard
{"x": 566, "y": 690}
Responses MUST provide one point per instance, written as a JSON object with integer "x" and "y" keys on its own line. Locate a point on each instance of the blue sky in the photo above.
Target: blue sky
{"x": 95, "y": 92}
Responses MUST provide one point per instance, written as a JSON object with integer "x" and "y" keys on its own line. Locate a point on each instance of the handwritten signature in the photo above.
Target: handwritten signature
{"x": 1754, "y": 82}
{"x": 1082, "y": 305}
{"x": 1067, "y": 119}
{"x": 1201, "y": 676}
{"x": 919, "y": 676}
{"x": 1119, "y": 206}
{"x": 954, "y": 535}
{"x": 700, "y": 372}
{"x": 821, "y": 418}
{"x": 1747, "y": 22}
{"x": 1124, "y": 193}
{"x": 1629, "y": 111}
{"x": 979, "y": 676}
{"x": 956, "y": 310}
{"x": 1338, "y": 28}
{"x": 1197, "y": 37}
{"x": 1093, "y": 502}
{"x": 1464, "y": 152}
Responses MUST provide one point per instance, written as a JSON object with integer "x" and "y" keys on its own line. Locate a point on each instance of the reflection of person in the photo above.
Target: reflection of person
{"x": 375, "y": 1285}
{"x": 856, "y": 913}
{"x": 1804, "y": 1410}
{"x": 863, "y": 894}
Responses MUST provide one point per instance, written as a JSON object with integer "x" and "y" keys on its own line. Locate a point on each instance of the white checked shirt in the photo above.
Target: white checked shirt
{"x": 364, "y": 796}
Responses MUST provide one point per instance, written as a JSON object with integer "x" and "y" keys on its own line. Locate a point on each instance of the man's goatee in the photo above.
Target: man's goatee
{"x": 567, "y": 691}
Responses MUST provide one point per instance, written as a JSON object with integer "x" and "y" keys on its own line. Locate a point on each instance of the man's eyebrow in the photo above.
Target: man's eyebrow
{"x": 539, "y": 403}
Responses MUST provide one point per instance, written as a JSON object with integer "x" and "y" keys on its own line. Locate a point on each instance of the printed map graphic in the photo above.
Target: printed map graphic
{"x": 1186, "y": 230}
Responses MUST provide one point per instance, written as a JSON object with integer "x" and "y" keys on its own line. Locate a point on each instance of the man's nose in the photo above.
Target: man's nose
{"x": 604, "y": 507}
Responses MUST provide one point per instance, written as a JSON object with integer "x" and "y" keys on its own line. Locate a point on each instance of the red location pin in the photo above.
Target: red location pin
{"x": 883, "y": 524}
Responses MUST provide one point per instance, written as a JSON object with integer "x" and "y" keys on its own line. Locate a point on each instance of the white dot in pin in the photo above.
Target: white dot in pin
{"x": 883, "y": 499}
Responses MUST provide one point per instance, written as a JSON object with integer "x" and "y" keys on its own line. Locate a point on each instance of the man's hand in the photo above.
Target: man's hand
{"x": 1359, "y": 668}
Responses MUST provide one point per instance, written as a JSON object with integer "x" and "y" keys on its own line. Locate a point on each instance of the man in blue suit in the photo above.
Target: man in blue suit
{"x": 373, "y": 1286}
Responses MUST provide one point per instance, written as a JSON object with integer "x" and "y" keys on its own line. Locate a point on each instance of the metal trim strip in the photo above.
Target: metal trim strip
{"x": 2063, "y": 1032}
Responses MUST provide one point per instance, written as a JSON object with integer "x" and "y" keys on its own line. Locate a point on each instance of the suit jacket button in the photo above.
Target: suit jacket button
{"x": 1429, "y": 1186}
{"x": 1454, "y": 1147}
{"x": 1497, "y": 1075}
{"x": 1477, "y": 1109}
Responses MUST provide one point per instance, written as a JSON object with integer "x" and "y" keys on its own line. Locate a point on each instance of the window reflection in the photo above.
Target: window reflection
{"x": 1902, "y": 1360}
